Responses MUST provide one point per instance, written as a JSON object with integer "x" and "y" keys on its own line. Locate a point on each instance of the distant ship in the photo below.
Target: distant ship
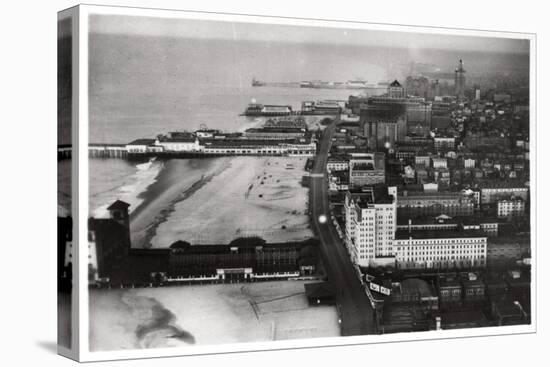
{"x": 257, "y": 83}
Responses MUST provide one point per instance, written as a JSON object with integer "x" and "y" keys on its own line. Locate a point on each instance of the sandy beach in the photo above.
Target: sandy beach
{"x": 209, "y": 314}
{"x": 245, "y": 196}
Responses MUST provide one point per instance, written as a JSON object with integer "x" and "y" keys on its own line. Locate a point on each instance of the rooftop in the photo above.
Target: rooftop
{"x": 403, "y": 234}
{"x": 142, "y": 142}
{"x": 292, "y": 130}
{"x": 118, "y": 205}
{"x": 414, "y": 286}
{"x": 370, "y": 195}
{"x": 502, "y": 184}
{"x": 395, "y": 83}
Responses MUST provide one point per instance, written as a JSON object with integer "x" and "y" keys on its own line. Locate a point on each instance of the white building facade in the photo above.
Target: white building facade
{"x": 447, "y": 249}
{"x": 370, "y": 226}
{"x": 509, "y": 208}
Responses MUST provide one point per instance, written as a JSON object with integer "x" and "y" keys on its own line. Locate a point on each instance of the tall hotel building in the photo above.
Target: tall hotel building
{"x": 370, "y": 225}
{"x": 460, "y": 80}
{"x": 372, "y": 238}
{"x": 387, "y": 119}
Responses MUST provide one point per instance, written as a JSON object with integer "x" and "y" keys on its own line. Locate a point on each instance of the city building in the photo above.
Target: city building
{"x": 469, "y": 163}
{"x": 396, "y": 90}
{"x": 494, "y": 190}
{"x": 419, "y": 118}
{"x": 383, "y": 125}
{"x": 366, "y": 170}
{"x": 444, "y": 143}
{"x": 370, "y": 216}
{"x": 510, "y": 207}
{"x": 109, "y": 242}
{"x": 441, "y": 115}
{"x": 460, "y": 80}
{"x": 422, "y": 160}
{"x": 245, "y": 260}
{"x": 439, "y": 162}
{"x": 418, "y": 203}
{"x": 387, "y": 119}
{"x": 337, "y": 163}
{"x": 440, "y": 249}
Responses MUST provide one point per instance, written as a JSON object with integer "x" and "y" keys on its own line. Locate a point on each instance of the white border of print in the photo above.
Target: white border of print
{"x": 84, "y": 353}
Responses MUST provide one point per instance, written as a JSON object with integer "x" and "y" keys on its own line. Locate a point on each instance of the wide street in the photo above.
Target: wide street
{"x": 357, "y": 315}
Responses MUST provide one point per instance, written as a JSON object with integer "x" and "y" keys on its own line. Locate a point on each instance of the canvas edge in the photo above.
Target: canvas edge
{"x": 85, "y": 355}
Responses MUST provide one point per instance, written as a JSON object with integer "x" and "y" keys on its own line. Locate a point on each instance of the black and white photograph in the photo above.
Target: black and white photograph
{"x": 262, "y": 180}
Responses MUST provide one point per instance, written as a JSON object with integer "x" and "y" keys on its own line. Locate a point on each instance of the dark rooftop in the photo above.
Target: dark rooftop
{"x": 142, "y": 142}
{"x": 395, "y": 83}
{"x": 118, "y": 205}
{"x": 371, "y": 195}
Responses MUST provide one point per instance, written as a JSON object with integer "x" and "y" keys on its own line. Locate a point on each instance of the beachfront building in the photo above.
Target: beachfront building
{"x": 257, "y": 109}
{"x": 140, "y": 146}
{"x": 370, "y": 216}
{"x": 179, "y": 142}
{"x": 273, "y": 133}
{"x": 299, "y": 148}
{"x": 108, "y": 242}
{"x": 206, "y": 133}
{"x": 440, "y": 249}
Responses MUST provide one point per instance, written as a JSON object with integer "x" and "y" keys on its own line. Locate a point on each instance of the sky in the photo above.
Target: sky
{"x": 229, "y": 30}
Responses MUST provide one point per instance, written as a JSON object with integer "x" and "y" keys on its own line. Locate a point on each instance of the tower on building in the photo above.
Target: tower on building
{"x": 118, "y": 211}
{"x": 460, "y": 80}
{"x": 396, "y": 90}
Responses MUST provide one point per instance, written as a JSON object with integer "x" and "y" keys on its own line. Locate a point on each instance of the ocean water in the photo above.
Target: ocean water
{"x": 154, "y": 188}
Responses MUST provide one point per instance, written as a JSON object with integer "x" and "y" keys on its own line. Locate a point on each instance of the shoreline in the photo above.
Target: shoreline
{"x": 249, "y": 197}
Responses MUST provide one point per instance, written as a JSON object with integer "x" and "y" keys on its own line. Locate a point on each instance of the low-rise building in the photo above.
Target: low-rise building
{"x": 339, "y": 163}
{"x": 494, "y": 190}
{"x": 510, "y": 207}
{"x": 444, "y": 143}
{"x": 413, "y": 204}
{"x": 422, "y": 161}
{"x": 140, "y": 146}
{"x": 439, "y": 162}
{"x": 469, "y": 163}
{"x": 367, "y": 170}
